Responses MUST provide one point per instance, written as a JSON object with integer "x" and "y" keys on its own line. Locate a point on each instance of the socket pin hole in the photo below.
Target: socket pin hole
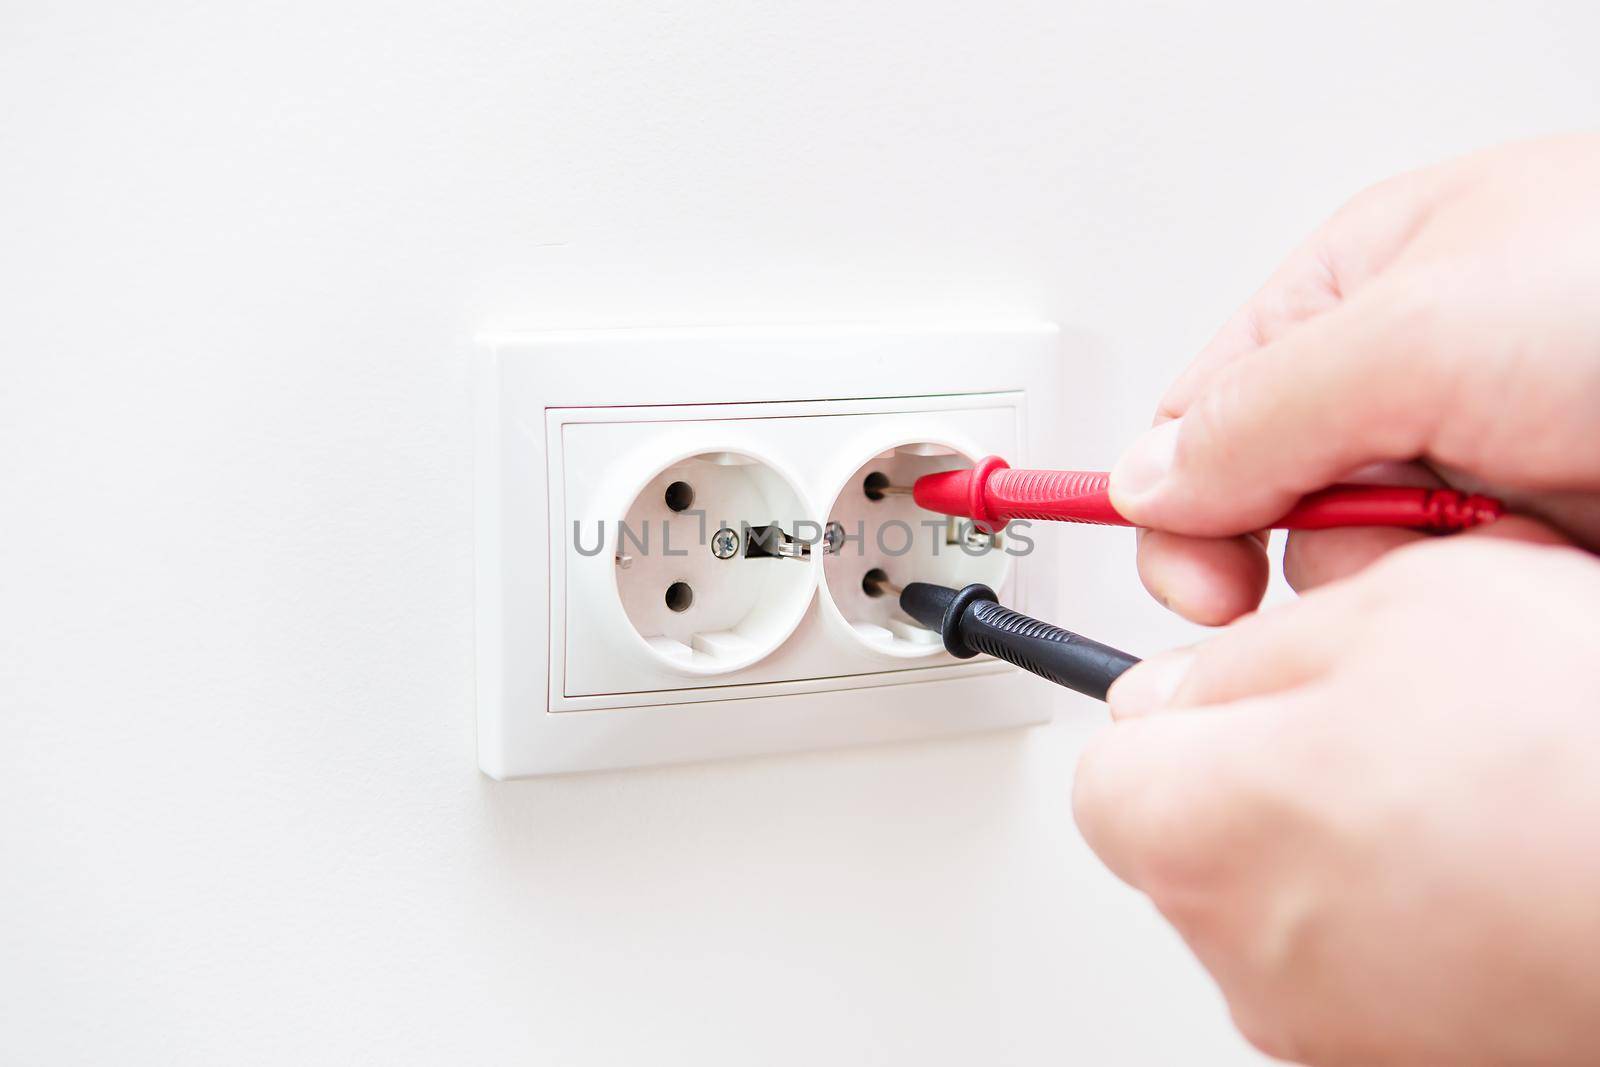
{"x": 679, "y": 596}
{"x": 875, "y": 484}
{"x": 870, "y": 581}
{"x": 679, "y": 496}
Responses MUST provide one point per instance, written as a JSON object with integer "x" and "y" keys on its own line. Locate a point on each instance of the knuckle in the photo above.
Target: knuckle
{"x": 1313, "y": 289}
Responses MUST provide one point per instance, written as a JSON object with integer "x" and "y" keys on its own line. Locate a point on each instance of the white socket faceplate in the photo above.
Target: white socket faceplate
{"x": 580, "y": 666}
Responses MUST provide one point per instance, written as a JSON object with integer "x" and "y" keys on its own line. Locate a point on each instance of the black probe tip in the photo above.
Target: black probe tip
{"x": 970, "y": 620}
{"x": 940, "y": 608}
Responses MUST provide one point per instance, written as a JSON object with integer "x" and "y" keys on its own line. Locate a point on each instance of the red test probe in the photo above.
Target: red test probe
{"x": 992, "y": 493}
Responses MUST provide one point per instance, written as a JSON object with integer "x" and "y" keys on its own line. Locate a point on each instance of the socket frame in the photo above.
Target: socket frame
{"x": 532, "y": 386}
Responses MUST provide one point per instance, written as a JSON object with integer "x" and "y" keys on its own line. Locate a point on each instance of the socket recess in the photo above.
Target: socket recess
{"x": 710, "y": 598}
{"x": 906, "y": 544}
{"x": 670, "y": 560}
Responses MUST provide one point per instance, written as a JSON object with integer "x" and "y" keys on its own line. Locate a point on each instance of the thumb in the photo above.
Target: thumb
{"x": 1352, "y": 386}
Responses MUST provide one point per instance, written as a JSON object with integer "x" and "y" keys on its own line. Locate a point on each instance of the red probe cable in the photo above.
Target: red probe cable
{"x": 992, "y": 493}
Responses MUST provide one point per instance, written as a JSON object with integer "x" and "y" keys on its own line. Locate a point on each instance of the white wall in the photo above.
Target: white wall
{"x": 243, "y": 248}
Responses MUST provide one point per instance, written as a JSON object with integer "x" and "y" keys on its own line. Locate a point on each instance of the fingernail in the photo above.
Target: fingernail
{"x": 1151, "y": 686}
{"x": 1146, "y": 463}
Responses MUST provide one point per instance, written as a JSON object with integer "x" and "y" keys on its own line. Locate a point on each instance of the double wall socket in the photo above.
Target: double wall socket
{"x": 675, "y": 527}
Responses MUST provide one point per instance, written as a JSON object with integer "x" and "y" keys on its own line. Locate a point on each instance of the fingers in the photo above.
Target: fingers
{"x": 1302, "y": 309}
{"x": 1317, "y": 557}
{"x": 1313, "y": 558}
{"x": 1336, "y": 261}
{"x": 1269, "y": 652}
{"x": 1213, "y": 581}
{"x": 1206, "y": 580}
{"x": 1213, "y": 584}
{"x": 1165, "y": 800}
{"x": 1351, "y": 387}
{"x": 1297, "y": 643}
{"x": 1151, "y": 686}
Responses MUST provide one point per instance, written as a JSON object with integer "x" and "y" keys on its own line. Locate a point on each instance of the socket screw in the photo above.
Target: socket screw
{"x": 978, "y": 541}
{"x": 833, "y": 538}
{"x": 725, "y": 543}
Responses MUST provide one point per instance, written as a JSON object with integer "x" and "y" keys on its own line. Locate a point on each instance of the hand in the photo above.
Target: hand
{"x": 1374, "y": 813}
{"x": 1450, "y": 316}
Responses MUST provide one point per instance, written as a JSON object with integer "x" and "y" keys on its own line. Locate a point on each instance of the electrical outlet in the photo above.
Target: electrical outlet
{"x": 674, "y": 528}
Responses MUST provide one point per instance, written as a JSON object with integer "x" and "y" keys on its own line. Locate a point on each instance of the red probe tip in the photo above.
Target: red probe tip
{"x": 961, "y": 493}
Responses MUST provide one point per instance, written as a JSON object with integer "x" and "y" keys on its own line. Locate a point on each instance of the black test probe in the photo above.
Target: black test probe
{"x": 970, "y": 620}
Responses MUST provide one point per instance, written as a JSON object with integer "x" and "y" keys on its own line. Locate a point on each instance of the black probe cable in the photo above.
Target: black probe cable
{"x": 971, "y": 620}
